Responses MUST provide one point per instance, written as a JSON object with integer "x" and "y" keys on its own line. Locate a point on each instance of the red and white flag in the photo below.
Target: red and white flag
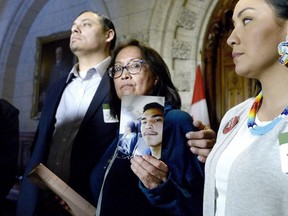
{"x": 198, "y": 109}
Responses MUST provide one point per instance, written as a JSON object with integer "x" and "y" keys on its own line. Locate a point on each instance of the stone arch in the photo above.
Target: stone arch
{"x": 179, "y": 37}
{"x": 23, "y": 17}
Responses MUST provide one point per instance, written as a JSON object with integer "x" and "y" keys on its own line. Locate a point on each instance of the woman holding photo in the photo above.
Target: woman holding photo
{"x": 171, "y": 185}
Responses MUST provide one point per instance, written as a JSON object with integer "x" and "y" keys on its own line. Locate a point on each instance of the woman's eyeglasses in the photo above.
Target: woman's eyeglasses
{"x": 133, "y": 67}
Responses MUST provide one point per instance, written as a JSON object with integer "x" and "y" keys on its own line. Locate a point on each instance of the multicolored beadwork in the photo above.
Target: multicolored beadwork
{"x": 283, "y": 52}
{"x": 260, "y": 130}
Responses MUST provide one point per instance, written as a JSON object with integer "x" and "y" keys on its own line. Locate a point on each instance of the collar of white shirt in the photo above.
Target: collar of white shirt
{"x": 101, "y": 68}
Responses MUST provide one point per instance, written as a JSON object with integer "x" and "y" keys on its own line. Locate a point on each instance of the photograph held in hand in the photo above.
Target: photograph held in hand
{"x": 141, "y": 126}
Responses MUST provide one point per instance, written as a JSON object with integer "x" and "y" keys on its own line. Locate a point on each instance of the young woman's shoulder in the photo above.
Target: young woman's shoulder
{"x": 240, "y": 108}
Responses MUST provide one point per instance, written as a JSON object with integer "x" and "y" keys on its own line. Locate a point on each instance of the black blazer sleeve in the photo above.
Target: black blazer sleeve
{"x": 9, "y": 142}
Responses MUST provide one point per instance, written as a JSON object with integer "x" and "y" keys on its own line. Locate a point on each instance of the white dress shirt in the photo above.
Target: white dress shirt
{"x": 71, "y": 110}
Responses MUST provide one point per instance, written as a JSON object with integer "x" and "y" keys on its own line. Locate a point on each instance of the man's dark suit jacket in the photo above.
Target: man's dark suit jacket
{"x": 9, "y": 143}
{"x": 92, "y": 139}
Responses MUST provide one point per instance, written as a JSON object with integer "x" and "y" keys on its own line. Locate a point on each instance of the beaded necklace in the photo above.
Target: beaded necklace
{"x": 260, "y": 130}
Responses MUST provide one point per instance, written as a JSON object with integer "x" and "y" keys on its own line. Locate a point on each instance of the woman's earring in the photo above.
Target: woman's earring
{"x": 283, "y": 52}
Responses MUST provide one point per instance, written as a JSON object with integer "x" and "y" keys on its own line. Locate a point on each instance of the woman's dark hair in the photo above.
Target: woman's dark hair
{"x": 280, "y": 8}
{"x": 107, "y": 25}
{"x": 159, "y": 69}
{"x": 257, "y": 87}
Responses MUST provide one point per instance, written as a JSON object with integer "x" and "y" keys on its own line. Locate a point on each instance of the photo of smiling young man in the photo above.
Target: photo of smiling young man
{"x": 147, "y": 115}
{"x": 152, "y": 127}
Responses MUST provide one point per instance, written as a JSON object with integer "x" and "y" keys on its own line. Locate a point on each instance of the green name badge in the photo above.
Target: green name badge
{"x": 283, "y": 146}
{"x": 107, "y": 116}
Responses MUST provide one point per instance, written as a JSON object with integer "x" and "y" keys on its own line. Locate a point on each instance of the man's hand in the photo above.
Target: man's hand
{"x": 151, "y": 171}
{"x": 51, "y": 203}
{"x": 201, "y": 142}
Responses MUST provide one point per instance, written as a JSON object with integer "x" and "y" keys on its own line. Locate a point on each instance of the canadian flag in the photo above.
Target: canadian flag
{"x": 198, "y": 109}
